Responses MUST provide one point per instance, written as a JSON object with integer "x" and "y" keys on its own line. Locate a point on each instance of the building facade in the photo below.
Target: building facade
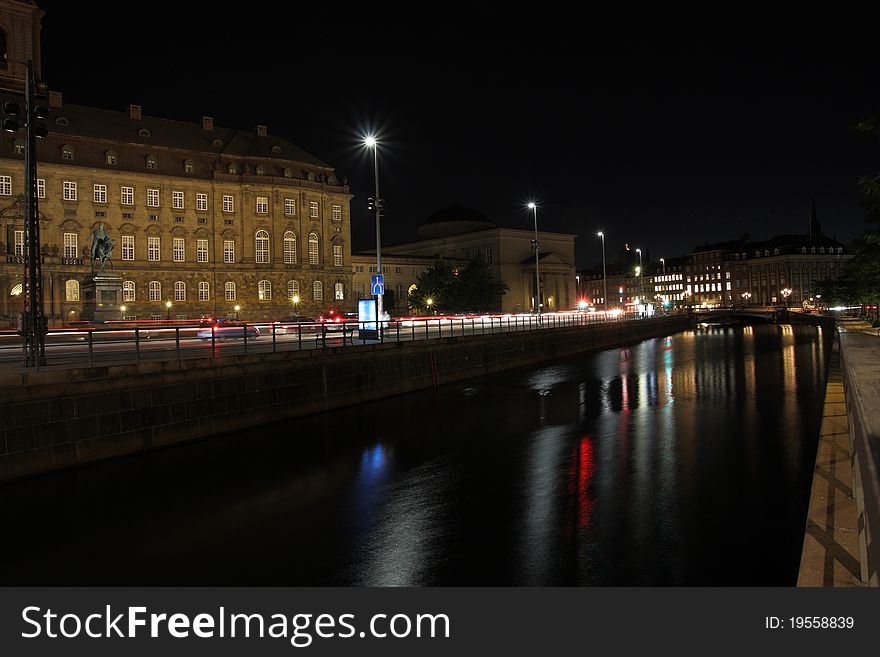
{"x": 204, "y": 217}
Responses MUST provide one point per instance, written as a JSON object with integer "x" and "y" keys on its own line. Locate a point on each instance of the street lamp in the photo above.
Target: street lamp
{"x": 295, "y": 300}
{"x": 122, "y": 309}
{"x": 663, "y": 262}
{"x": 746, "y": 296}
{"x": 429, "y": 302}
{"x": 237, "y": 308}
{"x": 577, "y": 284}
{"x": 376, "y": 206}
{"x": 168, "y": 305}
{"x": 604, "y": 277}
{"x": 641, "y": 280}
{"x": 786, "y": 292}
{"x": 534, "y": 208}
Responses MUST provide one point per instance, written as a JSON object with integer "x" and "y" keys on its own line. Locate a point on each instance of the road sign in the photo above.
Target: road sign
{"x": 377, "y": 284}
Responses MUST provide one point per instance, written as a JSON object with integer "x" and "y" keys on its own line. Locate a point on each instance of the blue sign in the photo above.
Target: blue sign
{"x": 377, "y": 284}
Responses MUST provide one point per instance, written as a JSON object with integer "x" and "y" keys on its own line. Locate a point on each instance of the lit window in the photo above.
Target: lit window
{"x": 67, "y": 153}
{"x": 153, "y": 246}
{"x": 151, "y": 162}
{"x": 155, "y": 291}
{"x": 337, "y": 213}
{"x": 262, "y": 205}
{"x": 339, "y": 292}
{"x": 313, "y": 248}
{"x": 110, "y": 157}
{"x": 41, "y": 188}
{"x": 262, "y": 247}
{"x": 153, "y": 198}
{"x": 19, "y": 147}
{"x": 128, "y": 247}
{"x": 337, "y": 256}
{"x": 188, "y": 166}
{"x": 229, "y": 290}
{"x": 100, "y": 193}
{"x": 201, "y": 202}
{"x": 177, "y": 200}
{"x": 71, "y": 290}
{"x": 128, "y": 291}
{"x": 228, "y": 250}
{"x": 292, "y": 289}
{"x": 179, "y": 291}
{"x": 317, "y": 291}
{"x": 313, "y": 209}
{"x": 202, "y": 250}
{"x": 289, "y": 207}
{"x": 19, "y": 242}
{"x": 264, "y": 290}
{"x": 70, "y": 245}
{"x": 177, "y": 249}
{"x": 204, "y": 291}
{"x": 126, "y": 196}
{"x": 228, "y": 204}
{"x": 69, "y": 193}
{"x": 5, "y": 185}
{"x": 289, "y": 248}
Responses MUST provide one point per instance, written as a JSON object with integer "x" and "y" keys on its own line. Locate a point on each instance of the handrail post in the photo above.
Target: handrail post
{"x": 273, "y": 337}
{"x": 137, "y": 346}
{"x": 90, "y": 347}
{"x": 177, "y": 342}
{"x": 244, "y": 328}
{"x": 299, "y": 336}
{"x": 213, "y": 342}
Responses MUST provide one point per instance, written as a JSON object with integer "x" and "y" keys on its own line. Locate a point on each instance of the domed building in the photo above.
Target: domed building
{"x": 460, "y": 233}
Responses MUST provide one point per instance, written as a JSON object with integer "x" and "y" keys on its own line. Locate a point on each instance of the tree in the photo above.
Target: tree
{"x": 443, "y": 288}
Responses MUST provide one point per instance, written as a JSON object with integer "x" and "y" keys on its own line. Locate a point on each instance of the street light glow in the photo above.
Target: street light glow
{"x": 600, "y": 234}
{"x": 531, "y": 205}
{"x": 168, "y": 304}
{"x": 370, "y": 141}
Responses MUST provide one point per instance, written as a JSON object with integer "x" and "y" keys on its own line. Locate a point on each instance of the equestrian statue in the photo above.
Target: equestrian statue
{"x": 101, "y": 247}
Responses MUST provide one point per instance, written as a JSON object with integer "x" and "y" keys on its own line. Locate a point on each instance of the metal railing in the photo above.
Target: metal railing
{"x": 122, "y": 343}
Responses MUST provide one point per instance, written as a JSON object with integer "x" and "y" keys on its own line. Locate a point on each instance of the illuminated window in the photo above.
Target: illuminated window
{"x": 41, "y": 188}
{"x": 153, "y": 246}
{"x": 337, "y": 255}
{"x": 292, "y": 289}
{"x": 313, "y": 248}
{"x": 128, "y": 247}
{"x": 202, "y": 202}
{"x": 228, "y": 250}
{"x": 177, "y": 200}
{"x": 262, "y": 205}
{"x": 69, "y": 191}
{"x": 339, "y": 292}
{"x": 229, "y": 289}
{"x": 70, "y": 245}
{"x": 126, "y": 196}
{"x": 179, "y": 291}
{"x": 19, "y": 242}
{"x": 289, "y": 248}
{"x": 67, "y": 153}
{"x": 188, "y": 166}
{"x": 202, "y": 250}
{"x": 110, "y": 157}
{"x": 178, "y": 249}
{"x": 151, "y": 162}
{"x": 204, "y": 291}
{"x": 336, "y": 213}
{"x": 71, "y": 290}
{"x": 317, "y": 291}
{"x": 313, "y": 209}
{"x": 289, "y": 207}
{"x": 153, "y": 198}
{"x": 155, "y": 291}
{"x": 100, "y": 193}
{"x": 262, "y": 247}
{"x": 5, "y": 185}
{"x": 128, "y": 291}
{"x": 264, "y": 290}
{"x": 228, "y": 203}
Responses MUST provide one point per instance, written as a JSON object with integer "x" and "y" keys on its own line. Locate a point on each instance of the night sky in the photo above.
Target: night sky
{"x": 665, "y": 138}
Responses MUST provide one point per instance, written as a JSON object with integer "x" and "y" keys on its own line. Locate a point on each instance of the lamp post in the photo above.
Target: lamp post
{"x": 746, "y": 296}
{"x": 376, "y": 206}
{"x": 663, "y": 262}
{"x": 34, "y": 325}
{"x": 604, "y": 277}
{"x": 237, "y": 308}
{"x": 786, "y": 292}
{"x": 534, "y": 208}
{"x": 577, "y": 284}
{"x": 122, "y": 310}
{"x": 168, "y": 305}
{"x": 429, "y": 302}
{"x": 641, "y": 279}
{"x": 295, "y": 300}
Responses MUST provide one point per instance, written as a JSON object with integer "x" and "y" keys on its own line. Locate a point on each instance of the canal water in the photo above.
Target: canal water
{"x": 682, "y": 460}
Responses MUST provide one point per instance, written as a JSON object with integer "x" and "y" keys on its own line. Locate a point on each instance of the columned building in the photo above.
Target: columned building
{"x": 460, "y": 233}
{"x": 202, "y": 216}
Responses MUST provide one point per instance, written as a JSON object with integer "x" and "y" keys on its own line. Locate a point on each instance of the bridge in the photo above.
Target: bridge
{"x": 757, "y": 314}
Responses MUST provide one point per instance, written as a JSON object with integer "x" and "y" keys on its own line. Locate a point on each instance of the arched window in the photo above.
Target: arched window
{"x": 292, "y": 289}
{"x": 229, "y": 289}
{"x": 155, "y": 291}
{"x": 317, "y": 290}
{"x": 766, "y": 252}
{"x": 67, "y": 152}
{"x": 757, "y": 254}
{"x": 188, "y": 166}
{"x": 71, "y": 289}
{"x": 260, "y": 170}
{"x": 262, "y": 243}
{"x": 110, "y": 157}
{"x": 775, "y": 251}
{"x": 313, "y": 249}
{"x": 839, "y": 250}
{"x": 233, "y": 169}
{"x": 204, "y": 291}
{"x": 179, "y": 291}
{"x": 812, "y": 249}
{"x": 289, "y": 248}
{"x": 264, "y": 290}
{"x": 339, "y": 292}
{"x": 152, "y": 162}
{"x": 821, "y": 249}
{"x": 128, "y": 291}
{"x": 803, "y": 249}
{"x": 16, "y": 290}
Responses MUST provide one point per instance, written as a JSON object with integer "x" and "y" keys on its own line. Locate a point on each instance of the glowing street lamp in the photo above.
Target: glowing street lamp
{"x": 237, "y": 308}
{"x": 641, "y": 279}
{"x": 746, "y": 296}
{"x": 168, "y": 305}
{"x": 371, "y": 143}
{"x": 663, "y": 262}
{"x": 295, "y": 300}
{"x": 786, "y": 292}
{"x": 604, "y": 277}
{"x": 534, "y": 208}
{"x": 429, "y": 302}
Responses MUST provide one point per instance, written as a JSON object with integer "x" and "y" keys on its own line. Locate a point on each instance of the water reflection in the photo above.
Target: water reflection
{"x": 680, "y": 460}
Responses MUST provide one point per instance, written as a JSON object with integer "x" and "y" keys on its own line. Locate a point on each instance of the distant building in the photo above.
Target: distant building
{"x": 460, "y": 233}
{"x": 203, "y": 216}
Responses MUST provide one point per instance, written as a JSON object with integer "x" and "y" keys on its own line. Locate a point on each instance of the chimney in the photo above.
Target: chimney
{"x": 54, "y": 99}
{"x": 208, "y": 123}
{"x": 134, "y": 112}
{"x": 261, "y": 130}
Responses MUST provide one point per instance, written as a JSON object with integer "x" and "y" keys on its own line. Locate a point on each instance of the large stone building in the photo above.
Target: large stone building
{"x": 459, "y": 233}
{"x": 205, "y": 217}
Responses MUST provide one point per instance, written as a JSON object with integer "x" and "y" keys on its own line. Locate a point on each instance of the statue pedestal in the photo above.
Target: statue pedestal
{"x": 101, "y": 296}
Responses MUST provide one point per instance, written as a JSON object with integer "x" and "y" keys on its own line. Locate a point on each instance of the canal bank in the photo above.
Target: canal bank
{"x": 56, "y": 420}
